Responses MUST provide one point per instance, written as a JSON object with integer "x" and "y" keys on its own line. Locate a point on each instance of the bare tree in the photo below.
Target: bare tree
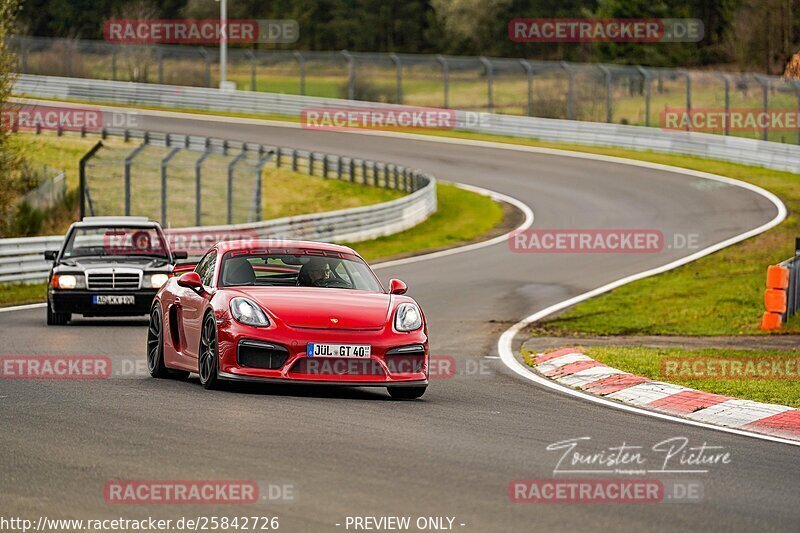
{"x": 137, "y": 58}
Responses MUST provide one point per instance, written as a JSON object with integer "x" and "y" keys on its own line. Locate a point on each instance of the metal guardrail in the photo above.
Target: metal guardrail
{"x": 21, "y": 260}
{"x": 777, "y": 156}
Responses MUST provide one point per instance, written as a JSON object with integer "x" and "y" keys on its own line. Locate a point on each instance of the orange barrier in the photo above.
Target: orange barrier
{"x": 775, "y": 297}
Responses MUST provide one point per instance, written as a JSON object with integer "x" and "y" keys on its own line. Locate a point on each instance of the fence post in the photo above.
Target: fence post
{"x": 252, "y": 57}
{"x": 688, "y": 76}
{"x": 351, "y": 75}
{"x": 363, "y": 172}
{"x": 258, "y": 196}
{"x": 646, "y": 79}
{"x": 231, "y": 166}
{"x": 160, "y": 56}
{"x": 164, "y": 163}
{"x": 310, "y": 163}
{"x": 399, "y": 66}
{"x": 128, "y": 162}
{"x": 82, "y": 176}
{"x": 489, "y": 82}
{"x": 726, "y": 129}
{"x": 570, "y": 90}
{"x": 204, "y": 54}
{"x": 198, "y": 185}
{"x": 352, "y": 169}
{"x": 294, "y": 160}
{"x": 608, "y": 78}
{"x": 301, "y": 61}
{"x": 529, "y": 72}
{"x": 796, "y": 85}
{"x": 445, "y": 79}
{"x": 114, "y": 65}
{"x": 764, "y": 82}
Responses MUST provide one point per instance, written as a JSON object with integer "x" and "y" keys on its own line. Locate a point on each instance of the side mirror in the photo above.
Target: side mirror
{"x": 50, "y": 255}
{"x": 397, "y": 287}
{"x": 191, "y": 280}
{"x": 182, "y": 254}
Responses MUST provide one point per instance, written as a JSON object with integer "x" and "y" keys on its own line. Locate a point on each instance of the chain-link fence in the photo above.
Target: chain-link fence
{"x": 184, "y": 181}
{"x": 50, "y": 189}
{"x": 594, "y": 92}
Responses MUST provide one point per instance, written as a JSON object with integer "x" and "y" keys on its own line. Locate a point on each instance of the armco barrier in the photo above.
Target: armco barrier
{"x": 777, "y": 156}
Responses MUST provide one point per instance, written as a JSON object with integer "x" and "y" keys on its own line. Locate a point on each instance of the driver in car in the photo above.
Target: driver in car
{"x": 315, "y": 273}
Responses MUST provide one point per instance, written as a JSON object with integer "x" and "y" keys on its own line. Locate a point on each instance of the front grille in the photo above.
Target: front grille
{"x": 114, "y": 280}
{"x": 256, "y": 354}
{"x": 329, "y": 366}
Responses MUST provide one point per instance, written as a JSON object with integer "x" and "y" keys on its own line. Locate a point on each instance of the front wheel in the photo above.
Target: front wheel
{"x": 208, "y": 360}
{"x": 57, "y": 319}
{"x": 407, "y": 393}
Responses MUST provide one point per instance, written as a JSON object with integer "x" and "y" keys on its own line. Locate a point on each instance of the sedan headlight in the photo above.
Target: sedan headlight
{"x": 248, "y": 312}
{"x": 158, "y": 280}
{"x": 67, "y": 281}
{"x": 407, "y": 317}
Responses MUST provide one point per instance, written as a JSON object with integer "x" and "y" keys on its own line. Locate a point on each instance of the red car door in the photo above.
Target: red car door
{"x": 193, "y": 304}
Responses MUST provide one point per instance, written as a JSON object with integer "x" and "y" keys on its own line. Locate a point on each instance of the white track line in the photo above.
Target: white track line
{"x": 504, "y": 344}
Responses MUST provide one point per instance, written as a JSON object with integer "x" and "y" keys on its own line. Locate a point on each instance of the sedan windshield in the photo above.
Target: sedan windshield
{"x": 333, "y": 270}
{"x": 116, "y": 240}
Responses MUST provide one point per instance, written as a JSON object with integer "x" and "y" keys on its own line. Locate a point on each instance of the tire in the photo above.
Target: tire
{"x": 208, "y": 355}
{"x": 57, "y": 319}
{"x": 155, "y": 349}
{"x": 407, "y": 393}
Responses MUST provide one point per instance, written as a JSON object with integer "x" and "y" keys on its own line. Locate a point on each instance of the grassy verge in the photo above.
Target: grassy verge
{"x": 647, "y": 362}
{"x": 718, "y": 295}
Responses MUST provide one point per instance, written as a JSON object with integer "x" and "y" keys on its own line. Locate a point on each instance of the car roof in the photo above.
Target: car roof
{"x": 99, "y": 222}
{"x": 251, "y": 244}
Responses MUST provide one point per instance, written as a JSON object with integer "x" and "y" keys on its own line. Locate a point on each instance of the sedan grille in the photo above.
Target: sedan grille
{"x": 114, "y": 279}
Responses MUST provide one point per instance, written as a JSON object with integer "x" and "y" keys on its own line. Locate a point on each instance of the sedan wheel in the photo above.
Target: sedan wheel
{"x": 208, "y": 360}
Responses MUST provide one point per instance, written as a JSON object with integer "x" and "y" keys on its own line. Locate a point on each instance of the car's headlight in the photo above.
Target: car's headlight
{"x": 248, "y": 312}
{"x": 158, "y": 280}
{"x": 407, "y": 317}
{"x": 67, "y": 281}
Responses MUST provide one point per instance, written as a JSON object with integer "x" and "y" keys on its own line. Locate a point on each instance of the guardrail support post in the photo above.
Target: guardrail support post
{"x": 164, "y": 163}
{"x": 301, "y": 61}
{"x": 82, "y": 176}
{"x": 445, "y": 79}
{"x": 351, "y": 75}
{"x": 399, "y": 67}
{"x": 489, "y": 83}
{"x": 204, "y": 55}
{"x": 570, "y": 90}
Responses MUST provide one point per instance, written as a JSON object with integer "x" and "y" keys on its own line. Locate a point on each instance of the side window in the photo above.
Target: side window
{"x": 208, "y": 276}
{"x": 202, "y": 266}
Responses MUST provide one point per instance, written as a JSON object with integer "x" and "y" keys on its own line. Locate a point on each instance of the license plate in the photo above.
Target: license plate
{"x": 113, "y": 299}
{"x": 350, "y": 351}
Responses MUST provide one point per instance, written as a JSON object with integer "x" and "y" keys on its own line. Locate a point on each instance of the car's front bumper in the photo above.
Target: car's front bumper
{"x": 387, "y": 366}
{"x": 81, "y": 302}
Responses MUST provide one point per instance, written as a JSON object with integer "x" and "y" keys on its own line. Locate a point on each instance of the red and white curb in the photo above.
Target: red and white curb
{"x": 571, "y": 367}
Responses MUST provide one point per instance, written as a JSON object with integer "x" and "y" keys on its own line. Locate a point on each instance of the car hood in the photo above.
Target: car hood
{"x": 143, "y": 263}
{"x": 313, "y": 307}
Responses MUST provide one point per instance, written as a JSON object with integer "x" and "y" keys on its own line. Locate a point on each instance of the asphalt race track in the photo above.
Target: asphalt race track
{"x": 353, "y": 452}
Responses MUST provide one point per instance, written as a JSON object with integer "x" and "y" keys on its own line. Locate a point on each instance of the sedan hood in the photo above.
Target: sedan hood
{"x": 142, "y": 262}
{"x": 311, "y": 307}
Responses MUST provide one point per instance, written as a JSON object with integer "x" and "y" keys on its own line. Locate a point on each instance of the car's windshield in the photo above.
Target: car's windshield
{"x": 115, "y": 240}
{"x": 332, "y": 270}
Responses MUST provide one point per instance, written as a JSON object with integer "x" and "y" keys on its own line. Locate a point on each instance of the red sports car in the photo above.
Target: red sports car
{"x": 288, "y": 311}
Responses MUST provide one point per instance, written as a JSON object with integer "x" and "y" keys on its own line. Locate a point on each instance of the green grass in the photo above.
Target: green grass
{"x": 647, "y": 362}
{"x": 462, "y": 216}
{"x": 22, "y": 293}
